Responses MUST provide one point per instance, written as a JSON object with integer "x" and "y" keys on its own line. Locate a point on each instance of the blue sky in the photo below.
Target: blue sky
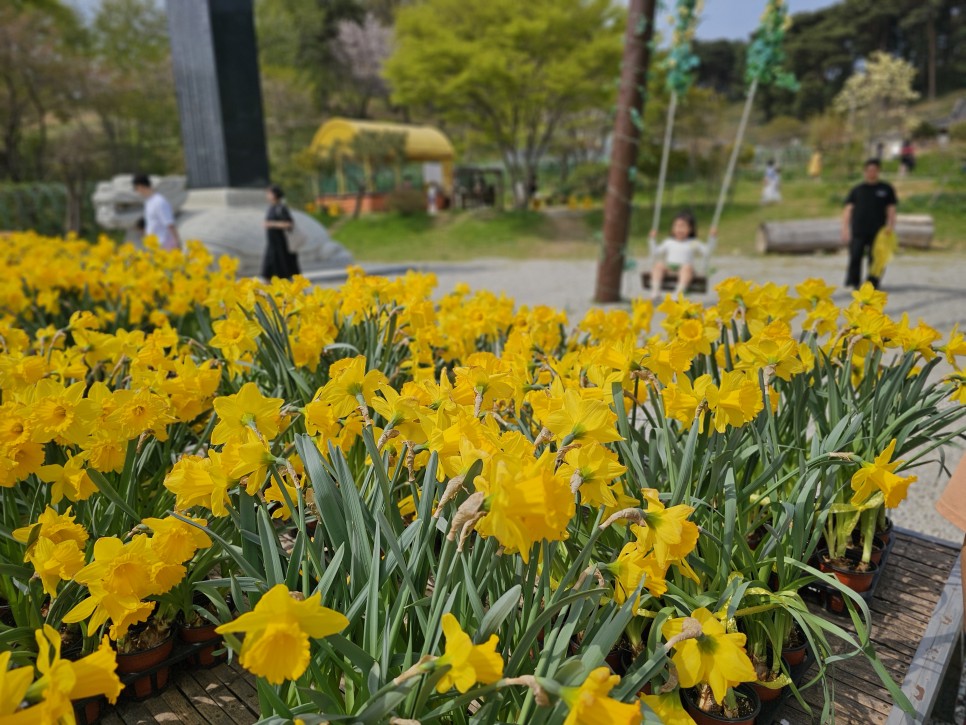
{"x": 738, "y": 18}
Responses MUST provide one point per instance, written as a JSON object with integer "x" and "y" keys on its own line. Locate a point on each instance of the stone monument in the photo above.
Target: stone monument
{"x": 215, "y": 61}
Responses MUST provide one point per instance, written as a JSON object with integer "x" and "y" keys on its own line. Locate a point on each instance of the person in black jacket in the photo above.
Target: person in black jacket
{"x": 278, "y": 261}
{"x": 869, "y": 207}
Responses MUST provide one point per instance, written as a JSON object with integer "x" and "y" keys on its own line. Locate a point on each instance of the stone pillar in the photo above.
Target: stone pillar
{"x": 215, "y": 59}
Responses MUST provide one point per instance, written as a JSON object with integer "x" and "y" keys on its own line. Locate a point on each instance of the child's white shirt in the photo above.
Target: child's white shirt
{"x": 679, "y": 252}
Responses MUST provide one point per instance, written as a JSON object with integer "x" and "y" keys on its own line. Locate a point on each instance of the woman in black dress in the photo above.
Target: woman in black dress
{"x": 278, "y": 261}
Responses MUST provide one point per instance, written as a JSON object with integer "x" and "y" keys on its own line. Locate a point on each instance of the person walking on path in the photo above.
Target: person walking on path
{"x": 158, "y": 217}
{"x": 279, "y": 261}
{"x": 869, "y": 207}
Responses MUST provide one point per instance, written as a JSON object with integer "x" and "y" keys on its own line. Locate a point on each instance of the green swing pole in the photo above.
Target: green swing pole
{"x": 665, "y": 156}
{"x": 735, "y": 152}
{"x": 765, "y": 59}
{"x": 680, "y": 63}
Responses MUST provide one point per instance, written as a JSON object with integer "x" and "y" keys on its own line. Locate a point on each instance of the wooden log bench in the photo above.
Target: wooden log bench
{"x": 917, "y": 623}
{"x": 699, "y": 284}
{"x": 806, "y": 236}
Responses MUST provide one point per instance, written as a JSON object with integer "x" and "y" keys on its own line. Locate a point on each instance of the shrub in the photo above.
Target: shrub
{"x": 407, "y": 202}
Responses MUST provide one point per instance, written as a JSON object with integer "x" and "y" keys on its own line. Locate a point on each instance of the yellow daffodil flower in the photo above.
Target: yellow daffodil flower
{"x": 277, "y": 633}
{"x": 248, "y": 408}
{"x": 880, "y": 475}
{"x": 590, "y": 705}
{"x": 717, "y": 657}
{"x": 469, "y": 663}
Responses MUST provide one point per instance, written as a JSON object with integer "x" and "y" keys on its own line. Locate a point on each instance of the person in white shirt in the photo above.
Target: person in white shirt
{"x": 158, "y": 217}
{"x": 771, "y": 192}
{"x": 677, "y": 253}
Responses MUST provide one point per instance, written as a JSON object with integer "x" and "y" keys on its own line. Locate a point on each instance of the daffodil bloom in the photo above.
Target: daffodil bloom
{"x": 70, "y": 481}
{"x": 954, "y": 347}
{"x": 717, "y": 657}
{"x": 248, "y": 408}
{"x": 683, "y": 399}
{"x": 666, "y": 531}
{"x": 350, "y": 386}
{"x": 56, "y": 562}
{"x": 175, "y": 541}
{"x": 591, "y": 469}
{"x": 197, "y": 481}
{"x": 590, "y": 705}
{"x": 62, "y": 680}
{"x": 668, "y": 708}
{"x": 583, "y": 420}
{"x": 235, "y": 336}
{"x": 633, "y": 567}
{"x": 526, "y": 504}
{"x": 736, "y": 401}
{"x": 277, "y": 633}
{"x": 666, "y": 360}
{"x": 469, "y": 663}
{"x": 54, "y": 526}
{"x": 252, "y": 460}
{"x": 13, "y": 687}
{"x": 60, "y": 413}
{"x": 880, "y": 474}
{"x": 119, "y": 578}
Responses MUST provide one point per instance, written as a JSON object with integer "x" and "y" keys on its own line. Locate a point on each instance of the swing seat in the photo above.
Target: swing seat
{"x": 699, "y": 284}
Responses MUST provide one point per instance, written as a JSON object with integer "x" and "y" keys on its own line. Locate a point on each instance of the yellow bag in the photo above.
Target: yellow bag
{"x": 883, "y": 250}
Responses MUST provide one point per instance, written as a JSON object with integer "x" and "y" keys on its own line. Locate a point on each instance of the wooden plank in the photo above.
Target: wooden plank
{"x": 202, "y": 701}
{"x": 135, "y": 713}
{"x": 204, "y": 684}
{"x": 178, "y": 705}
{"x": 241, "y": 684}
{"x": 110, "y": 717}
{"x": 929, "y": 665}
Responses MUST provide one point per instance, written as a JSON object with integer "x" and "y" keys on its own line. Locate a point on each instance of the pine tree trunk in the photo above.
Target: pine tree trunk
{"x": 626, "y": 140}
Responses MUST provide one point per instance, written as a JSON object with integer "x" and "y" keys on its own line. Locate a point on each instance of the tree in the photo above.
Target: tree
{"x": 38, "y": 73}
{"x": 362, "y": 49}
{"x": 627, "y": 133}
{"x": 722, "y": 67}
{"x": 301, "y": 35}
{"x": 875, "y": 98}
{"x": 513, "y": 77}
{"x": 130, "y": 86}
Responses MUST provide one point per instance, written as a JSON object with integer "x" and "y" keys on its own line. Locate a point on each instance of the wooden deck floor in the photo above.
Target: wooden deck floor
{"x": 902, "y": 607}
{"x": 223, "y": 694}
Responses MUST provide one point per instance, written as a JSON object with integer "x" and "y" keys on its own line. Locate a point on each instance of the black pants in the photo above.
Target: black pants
{"x": 860, "y": 246}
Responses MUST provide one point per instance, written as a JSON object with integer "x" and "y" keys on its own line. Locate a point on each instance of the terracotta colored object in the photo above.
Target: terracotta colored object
{"x": 886, "y": 533}
{"x": 857, "y": 581}
{"x": 794, "y": 656}
{"x": 204, "y": 657}
{"x": 701, "y": 717}
{"x": 135, "y": 662}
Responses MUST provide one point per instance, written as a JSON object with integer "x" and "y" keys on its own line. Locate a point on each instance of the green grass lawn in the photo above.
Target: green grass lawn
{"x": 937, "y": 188}
{"x": 458, "y": 236}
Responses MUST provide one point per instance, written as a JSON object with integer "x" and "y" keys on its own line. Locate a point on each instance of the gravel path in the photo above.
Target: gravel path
{"x": 929, "y": 286}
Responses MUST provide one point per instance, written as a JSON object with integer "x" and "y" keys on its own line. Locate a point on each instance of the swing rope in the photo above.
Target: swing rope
{"x": 665, "y": 156}
{"x": 765, "y": 58}
{"x": 681, "y": 63}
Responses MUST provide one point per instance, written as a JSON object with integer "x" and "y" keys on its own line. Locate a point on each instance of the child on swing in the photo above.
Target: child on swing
{"x": 677, "y": 253}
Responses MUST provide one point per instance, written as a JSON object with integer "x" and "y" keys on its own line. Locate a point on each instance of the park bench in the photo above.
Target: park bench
{"x": 806, "y": 236}
{"x": 917, "y": 624}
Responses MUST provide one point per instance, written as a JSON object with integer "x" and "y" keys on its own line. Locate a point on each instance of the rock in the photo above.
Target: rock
{"x": 226, "y": 221}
